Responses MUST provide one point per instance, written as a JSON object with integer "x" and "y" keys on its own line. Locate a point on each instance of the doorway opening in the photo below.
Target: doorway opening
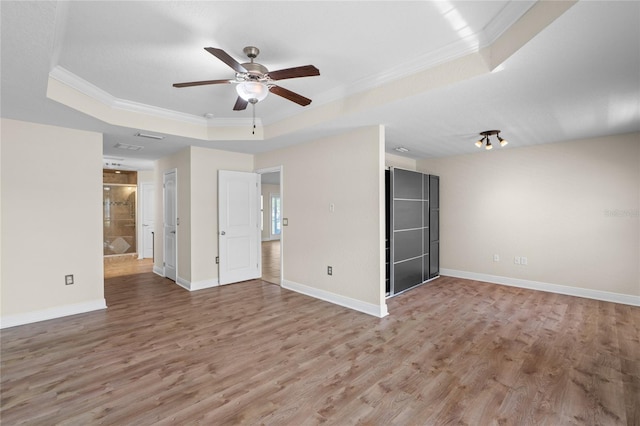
{"x": 119, "y": 211}
{"x": 271, "y": 224}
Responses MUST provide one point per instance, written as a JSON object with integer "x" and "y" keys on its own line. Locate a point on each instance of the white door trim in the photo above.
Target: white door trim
{"x": 164, "y": 220}
{"x": 143, "y": 209}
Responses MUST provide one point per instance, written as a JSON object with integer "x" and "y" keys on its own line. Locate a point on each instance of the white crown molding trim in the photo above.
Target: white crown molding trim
{"x": 347, "y": 302}
{"x": 465, "y": 46}
{"x": 606, "y": 296}
{"x": 509, "y": 15}
{"x": 75, "y": 82}
{"x": 473, "y": 43}
{"x": 52, "y": 313}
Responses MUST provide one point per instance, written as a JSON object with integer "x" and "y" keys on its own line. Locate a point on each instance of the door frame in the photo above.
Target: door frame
{"x": 164, "y": 200}
{"x": 143, "y": 207}
{"x": 279, "y": 169}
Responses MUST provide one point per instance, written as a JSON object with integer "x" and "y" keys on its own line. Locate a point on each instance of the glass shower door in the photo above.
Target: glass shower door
{"x": 119, "y": 219}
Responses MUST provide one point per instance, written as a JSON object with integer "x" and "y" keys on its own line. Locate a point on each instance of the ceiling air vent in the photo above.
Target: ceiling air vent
{"x": 128, "y": 147}
{"x": 149, "y": 135}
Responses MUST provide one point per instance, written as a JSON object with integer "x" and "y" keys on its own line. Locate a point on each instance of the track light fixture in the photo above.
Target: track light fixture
{"x": 485, "y": 139}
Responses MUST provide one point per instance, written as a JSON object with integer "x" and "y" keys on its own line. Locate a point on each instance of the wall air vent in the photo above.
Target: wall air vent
{"x": 128, "y": 147}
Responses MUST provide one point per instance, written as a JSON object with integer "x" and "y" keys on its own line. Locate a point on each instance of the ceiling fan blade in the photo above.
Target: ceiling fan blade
{"x": 202, "y": 83}
{"x": 224, "y": 57}
{"x": 288, "y": 94}
{"x": 303, "y": 71}
{"x": 240, "y": 105}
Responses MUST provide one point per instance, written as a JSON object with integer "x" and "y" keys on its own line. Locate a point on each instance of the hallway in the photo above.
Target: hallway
{"x": 117, "y": 266}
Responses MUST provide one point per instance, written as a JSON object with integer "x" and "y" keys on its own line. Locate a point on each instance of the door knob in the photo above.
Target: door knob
{"x": 173, "y": 232}
{"x": 223, "y": 233}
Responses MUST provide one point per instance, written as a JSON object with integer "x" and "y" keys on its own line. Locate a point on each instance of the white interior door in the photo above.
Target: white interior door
{"x": 170, "y": 224}
{"x": 147, "y": 199}
{"x": 238, "y": 226}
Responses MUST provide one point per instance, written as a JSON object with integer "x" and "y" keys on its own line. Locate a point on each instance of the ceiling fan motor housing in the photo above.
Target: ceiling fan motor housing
{"x": 255, "y": 70}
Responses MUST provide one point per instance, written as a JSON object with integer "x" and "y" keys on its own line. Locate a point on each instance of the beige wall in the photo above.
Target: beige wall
{"x": 571, "y": 208}
{"x": 197, "y": 210}
{"x": 205, "y": 164}
{"x": 392, "y": 160}
{"x": 146, "y": 176}
{"x": 180, "y": 161}
{"x": 348, "y": 172}
{"x": 267, "y": 190}
{"x": 51, "y": 221}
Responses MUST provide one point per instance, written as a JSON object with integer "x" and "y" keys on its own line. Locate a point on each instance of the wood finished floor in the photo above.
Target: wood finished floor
{"x": 116, "y": 266}
{"x": 271, "y": 261}
{"x": 451, "y": 352}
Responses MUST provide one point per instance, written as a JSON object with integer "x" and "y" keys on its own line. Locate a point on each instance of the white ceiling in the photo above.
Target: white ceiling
{"x": 579, "y": 77}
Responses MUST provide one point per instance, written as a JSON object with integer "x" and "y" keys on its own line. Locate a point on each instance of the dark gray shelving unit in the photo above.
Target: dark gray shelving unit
{"x": 413, "y": 234}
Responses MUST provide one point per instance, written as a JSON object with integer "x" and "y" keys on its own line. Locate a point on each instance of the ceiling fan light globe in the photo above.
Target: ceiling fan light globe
{"x": 252, "y": 91}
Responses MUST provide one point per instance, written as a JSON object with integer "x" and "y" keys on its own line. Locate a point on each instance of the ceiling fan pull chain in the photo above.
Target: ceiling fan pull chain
{"x": 253, "y": 132}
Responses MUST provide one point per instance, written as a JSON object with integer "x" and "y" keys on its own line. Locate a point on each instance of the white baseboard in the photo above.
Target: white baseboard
{"x": 52, "y": 313}
{"x": 183, "y": 283}
{"x": 198, "y": 285}
{"x": 158, "y": 270}
{"x": 347, "y": 302}
{"x": 605, "y": 296}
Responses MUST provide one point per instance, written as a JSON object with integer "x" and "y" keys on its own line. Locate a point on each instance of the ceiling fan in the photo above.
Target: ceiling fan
{"x": 254, "y": 81}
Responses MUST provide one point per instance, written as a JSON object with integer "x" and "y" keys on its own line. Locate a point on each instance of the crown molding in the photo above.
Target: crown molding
{"x": 473, "y": 43}
{"x": 70, "y": 79}
{"x": 504, "y": 20}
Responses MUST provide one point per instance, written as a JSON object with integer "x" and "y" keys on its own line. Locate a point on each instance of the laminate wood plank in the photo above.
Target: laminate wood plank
{"x": 450, "y": 352}
{"x": 271, "y": 261}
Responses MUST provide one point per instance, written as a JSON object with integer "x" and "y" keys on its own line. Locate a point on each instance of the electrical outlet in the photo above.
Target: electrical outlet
{"x": 516, "y": 260}
{"x": 523, "y": 261}
{"x": 68, "y": 279}
{"x": 496, "y": 258}
{"x": 329, "y": 270}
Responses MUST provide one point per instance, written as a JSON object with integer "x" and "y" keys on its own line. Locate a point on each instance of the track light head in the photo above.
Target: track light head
{"x": 485, "y": 137}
